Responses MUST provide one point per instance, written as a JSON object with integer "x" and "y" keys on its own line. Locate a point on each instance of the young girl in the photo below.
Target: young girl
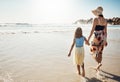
{"x": 78, "y": 41}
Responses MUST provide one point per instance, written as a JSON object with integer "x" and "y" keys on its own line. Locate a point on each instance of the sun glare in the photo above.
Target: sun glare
{"x": 50, "y": 10}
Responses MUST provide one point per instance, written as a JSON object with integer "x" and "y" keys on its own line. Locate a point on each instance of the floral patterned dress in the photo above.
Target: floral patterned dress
{"x": 97, "y": 44}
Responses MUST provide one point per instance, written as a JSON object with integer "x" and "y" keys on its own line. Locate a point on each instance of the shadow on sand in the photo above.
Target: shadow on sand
{"x": 111, "y": 76}
{"x": 104, "y": 77}
{"x": 93, "y": 80}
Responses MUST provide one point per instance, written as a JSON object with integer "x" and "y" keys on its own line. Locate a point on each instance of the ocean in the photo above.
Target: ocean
{"x": 50, "y": 28}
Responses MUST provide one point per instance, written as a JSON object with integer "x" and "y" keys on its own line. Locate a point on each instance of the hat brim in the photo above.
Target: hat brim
{"x": 95, "y": 12}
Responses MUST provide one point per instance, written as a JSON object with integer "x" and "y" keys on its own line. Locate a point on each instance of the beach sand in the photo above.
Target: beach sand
{"x": 42, "y": 57}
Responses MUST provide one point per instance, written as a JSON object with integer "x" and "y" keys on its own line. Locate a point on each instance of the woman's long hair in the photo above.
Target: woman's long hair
{"x": 78, "y": 33}
{"x": 101, "y": 15}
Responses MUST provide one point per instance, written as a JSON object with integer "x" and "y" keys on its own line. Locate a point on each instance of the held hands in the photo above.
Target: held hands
{"x": 87, "y": 43}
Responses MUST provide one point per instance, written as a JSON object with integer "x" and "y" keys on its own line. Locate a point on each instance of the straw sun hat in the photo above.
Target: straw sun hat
{"x": 97, "y": 11}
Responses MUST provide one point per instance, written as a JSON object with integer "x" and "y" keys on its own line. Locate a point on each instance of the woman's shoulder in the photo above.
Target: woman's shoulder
{"x": 95, "y": 19}
{"x": 104, "y": 21}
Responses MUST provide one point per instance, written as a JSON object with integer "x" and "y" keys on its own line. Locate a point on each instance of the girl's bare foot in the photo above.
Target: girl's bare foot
{"x": 79, "y": 73}
{"x": 83, "y": 73}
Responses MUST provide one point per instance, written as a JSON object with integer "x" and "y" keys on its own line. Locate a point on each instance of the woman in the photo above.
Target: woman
{"x": 99, "y": 30}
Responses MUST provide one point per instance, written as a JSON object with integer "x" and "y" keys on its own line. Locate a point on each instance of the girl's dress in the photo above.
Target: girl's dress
{"x": 79, "y": 51}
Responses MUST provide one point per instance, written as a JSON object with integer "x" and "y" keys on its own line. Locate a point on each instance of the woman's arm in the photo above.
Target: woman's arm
{"x": 106, "y": 29}
{"x": 106, "y": 34}
{"x": 71, "y": 47}
{"x": 93, "y": 28}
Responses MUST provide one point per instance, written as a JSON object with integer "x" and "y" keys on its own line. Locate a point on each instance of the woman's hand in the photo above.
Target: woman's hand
{"x": 88, "y": 40}
{"x": 105, "y": 43}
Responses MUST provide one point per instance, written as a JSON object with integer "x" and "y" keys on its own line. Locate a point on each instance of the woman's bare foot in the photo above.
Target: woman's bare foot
{"x": 95, "y": 68}
{"x": 99, "y": 65}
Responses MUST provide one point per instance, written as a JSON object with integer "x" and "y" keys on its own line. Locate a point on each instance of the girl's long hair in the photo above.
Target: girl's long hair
{"x": 78, "y": 33}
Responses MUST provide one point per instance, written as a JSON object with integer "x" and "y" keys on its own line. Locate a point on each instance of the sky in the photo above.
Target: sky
{"x": 54, "y": 11}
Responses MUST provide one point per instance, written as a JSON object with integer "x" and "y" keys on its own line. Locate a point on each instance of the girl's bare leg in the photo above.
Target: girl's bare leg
{"x": 83, "y": 70}
{"x": 78, "y": 68}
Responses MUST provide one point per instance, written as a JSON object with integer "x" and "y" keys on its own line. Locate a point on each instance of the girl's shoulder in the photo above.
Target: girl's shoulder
{"x": 83, "y": 36}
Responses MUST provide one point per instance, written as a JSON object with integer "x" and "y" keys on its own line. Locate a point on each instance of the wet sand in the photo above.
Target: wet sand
{"x": 42, "y": 57}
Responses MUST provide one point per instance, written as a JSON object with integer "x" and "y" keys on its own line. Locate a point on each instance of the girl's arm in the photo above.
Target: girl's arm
{"x": 86, "y": 41}
{"x": 71, "y": 47}
{"x": 93, "y": 28}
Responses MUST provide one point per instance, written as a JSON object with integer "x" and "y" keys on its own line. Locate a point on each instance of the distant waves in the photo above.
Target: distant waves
{"x": 49, "y": 29}
{"x": 36, "y": 31}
